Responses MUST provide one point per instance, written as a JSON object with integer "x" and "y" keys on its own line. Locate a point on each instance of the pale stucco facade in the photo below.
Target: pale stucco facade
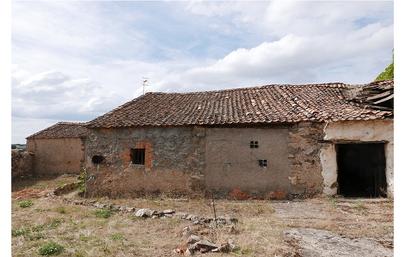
{"x": 56, "y": 155}
{"x": 355, "y": 131}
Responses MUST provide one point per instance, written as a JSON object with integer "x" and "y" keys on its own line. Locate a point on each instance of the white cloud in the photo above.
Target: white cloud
{"x": 297, "y": 59}
{"x": 278, "y": 18}
{"x": 55, "y": 94}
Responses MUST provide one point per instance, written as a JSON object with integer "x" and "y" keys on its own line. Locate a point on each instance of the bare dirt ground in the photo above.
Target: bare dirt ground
{"x": 313, "y": 227}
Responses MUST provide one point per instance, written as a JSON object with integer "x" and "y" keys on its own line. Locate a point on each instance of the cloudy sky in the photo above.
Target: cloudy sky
{"x": 73, "y": 61}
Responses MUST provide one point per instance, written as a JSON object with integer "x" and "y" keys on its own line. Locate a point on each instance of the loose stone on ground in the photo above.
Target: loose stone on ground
{"x": 322, "y": 243}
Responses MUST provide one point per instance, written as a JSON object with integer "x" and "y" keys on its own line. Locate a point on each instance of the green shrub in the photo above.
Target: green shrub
{"x": 25, "y": 203}
{"x": 82, "y": 182}
{"x": 387, "y": 73}
{"x": 103, "y": 213}
{"x": 51, "y": 248}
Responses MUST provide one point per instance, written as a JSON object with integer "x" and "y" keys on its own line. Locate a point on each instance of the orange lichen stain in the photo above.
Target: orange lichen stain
{"x": 125, "y": 156}
{"x": 276, "y": 195}
{"x": 238, "y": 194}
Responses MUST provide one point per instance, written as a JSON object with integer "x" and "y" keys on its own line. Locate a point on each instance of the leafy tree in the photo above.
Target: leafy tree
{"x": 387, "y": 74}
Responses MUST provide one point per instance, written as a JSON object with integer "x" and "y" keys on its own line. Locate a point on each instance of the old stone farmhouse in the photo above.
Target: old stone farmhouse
{"x": 274, "y": 141}
{"x": 58, "y": 149}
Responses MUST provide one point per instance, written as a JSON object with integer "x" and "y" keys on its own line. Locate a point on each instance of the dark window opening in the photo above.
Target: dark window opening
{"x": 254, "y": 144}
{"x": 97, "y": 159}
{"x": 137, "y": 155}
{"x": 263, "y": 163}
{"x": 361, "y": 170}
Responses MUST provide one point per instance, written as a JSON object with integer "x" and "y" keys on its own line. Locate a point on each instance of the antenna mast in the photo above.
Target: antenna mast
{"x": 144, "y": 83}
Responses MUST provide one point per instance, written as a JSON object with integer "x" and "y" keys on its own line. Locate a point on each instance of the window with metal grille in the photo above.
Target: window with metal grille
{"x": 254, "y": 144}
{"x": 137, "y": 155}
{"x": 263, "y": 163}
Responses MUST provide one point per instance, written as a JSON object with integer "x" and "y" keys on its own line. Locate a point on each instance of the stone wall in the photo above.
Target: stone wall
{"x": 174, "y": 161}
{"x": 305, "y": 143}
{"x": 56, "y": 156}
{"x": 197, "y": 160}
{"x": 21, "y": 163}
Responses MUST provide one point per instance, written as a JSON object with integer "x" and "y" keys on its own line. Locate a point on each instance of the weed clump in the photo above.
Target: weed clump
{"x": 51, "y": 248}
{"x": 20, "y": 232}
{"x": 103, "y": 213}
{"x": 61, "y": 210}
{"x": 25, "y": 203}
{"x": 82, "y": 182}
{"x": 55, "y": 223}
{"x": 117, "y": 237}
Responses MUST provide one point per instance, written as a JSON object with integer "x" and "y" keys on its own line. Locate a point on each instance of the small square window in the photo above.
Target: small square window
{"x": 254, "y": 144}
{"x": 263, "y": 163}
{"x": 137, "y": 155}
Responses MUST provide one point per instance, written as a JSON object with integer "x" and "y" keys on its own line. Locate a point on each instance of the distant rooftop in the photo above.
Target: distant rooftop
{"x": 61, "y": 130}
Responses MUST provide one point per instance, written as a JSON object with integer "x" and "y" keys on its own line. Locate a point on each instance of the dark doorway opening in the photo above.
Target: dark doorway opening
{"x": 361, "y": 169}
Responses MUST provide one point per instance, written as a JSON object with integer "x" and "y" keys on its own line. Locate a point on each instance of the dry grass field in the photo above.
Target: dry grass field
{"x": 38, "y": 219}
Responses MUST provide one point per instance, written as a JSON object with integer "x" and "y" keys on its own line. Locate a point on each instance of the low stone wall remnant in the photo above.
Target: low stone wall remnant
{"x": 21, "y": 163}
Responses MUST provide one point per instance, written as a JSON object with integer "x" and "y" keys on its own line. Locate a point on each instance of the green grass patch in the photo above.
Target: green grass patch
{"x": 25, "y": 203}
{"x": 51, "y": 248}
{"x": 242, "y": 251}
{"x": 61, "y": 183}
{"x": 55, "y": 223}
{"x": 36, "y": 236}
{"x": 85, "y": 238}
{"x": 80, "y": 253}
{"x": 117, "y": 237}
{"x": 333, "y": 201}
{"x": 20, "y": 232}
{"x": 360, "y": 207}
{"x": 61, "y": 210}
{"x": 103, "y": 213}
{"x": 38, "y": 228}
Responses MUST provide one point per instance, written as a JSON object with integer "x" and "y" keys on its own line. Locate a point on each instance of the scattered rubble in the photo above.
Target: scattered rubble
{"x": 29, "y": 193}
{"x": 145, "y": 213}
{"x": 192, "y": 243}
{"x": 66, "y": 188}
{"x": 195, "y": 243}
{"x": 148, "y": 213}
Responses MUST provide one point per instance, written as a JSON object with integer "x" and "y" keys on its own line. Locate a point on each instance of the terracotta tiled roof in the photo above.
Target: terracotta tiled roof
{"x": 255, "y": 105}
{"x": 61, "y": 130}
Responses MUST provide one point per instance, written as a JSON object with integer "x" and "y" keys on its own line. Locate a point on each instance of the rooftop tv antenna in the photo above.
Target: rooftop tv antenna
{"x": 145, "y": 83}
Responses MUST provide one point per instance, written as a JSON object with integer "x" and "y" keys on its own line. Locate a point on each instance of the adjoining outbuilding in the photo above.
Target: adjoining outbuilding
{"x": 58, "y": 149}
{"x": 274, "y": 141}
